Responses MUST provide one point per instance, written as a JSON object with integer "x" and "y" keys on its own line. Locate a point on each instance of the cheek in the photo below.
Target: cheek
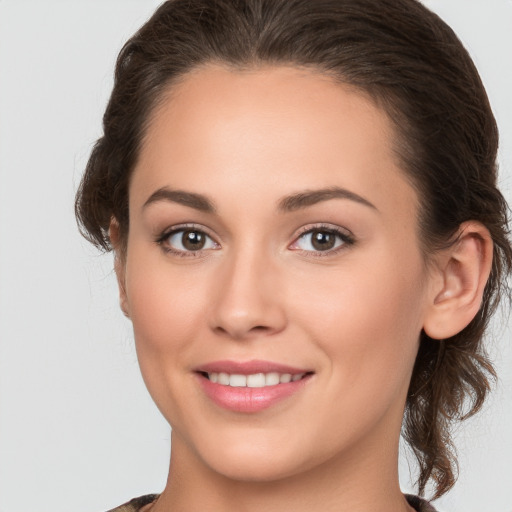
{"x": 164, "y": 308}
{"x": 366, "y": 318}
{"x": 162, "y": 299}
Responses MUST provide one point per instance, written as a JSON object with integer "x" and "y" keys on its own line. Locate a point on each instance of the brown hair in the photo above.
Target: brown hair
{"x": 415, "y": 67}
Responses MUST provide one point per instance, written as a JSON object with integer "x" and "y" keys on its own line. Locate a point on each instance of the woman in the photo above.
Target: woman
{"x": 301, "y": 197}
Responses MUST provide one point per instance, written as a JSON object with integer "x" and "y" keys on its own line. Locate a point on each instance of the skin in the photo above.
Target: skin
{"x": 260, "y": 290}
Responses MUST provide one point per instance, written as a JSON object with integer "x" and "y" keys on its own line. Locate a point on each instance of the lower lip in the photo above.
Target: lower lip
{"x": 244, "y": 399}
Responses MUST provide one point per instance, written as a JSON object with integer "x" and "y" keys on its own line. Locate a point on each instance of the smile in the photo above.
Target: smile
{"x": 255, "y": 380}
{"x": 251, "y": 386}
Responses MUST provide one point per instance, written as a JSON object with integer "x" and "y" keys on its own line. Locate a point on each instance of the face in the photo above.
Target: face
{"x": 273, "y": 273}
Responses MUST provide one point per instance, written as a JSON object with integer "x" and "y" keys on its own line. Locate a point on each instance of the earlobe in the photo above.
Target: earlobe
{"x": 461, "y": 275}
{"x": 119, "y": 266}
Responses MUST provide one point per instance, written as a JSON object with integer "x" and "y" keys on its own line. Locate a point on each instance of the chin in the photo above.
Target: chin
{"x": 262, "y": 469}
{"x": 254, "y": 460}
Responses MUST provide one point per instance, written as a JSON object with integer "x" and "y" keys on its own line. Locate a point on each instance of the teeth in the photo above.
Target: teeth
{"x": 271, "y": 379}
{"x": 256, "y": 380}
{"x": 238, "y": 381}
{"x": 223, "y": 379}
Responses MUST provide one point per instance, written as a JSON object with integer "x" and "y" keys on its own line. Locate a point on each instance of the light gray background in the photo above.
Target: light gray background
{"x": 78, "y": 431}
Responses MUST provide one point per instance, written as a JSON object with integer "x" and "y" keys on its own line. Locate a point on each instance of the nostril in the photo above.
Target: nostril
{"x": 241, "y": 332}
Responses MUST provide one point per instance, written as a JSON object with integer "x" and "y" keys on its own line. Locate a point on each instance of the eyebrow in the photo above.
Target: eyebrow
{"x": 287, "y": 204}
{"x": 311, "y": 197}
{"x": 196, "y": 201}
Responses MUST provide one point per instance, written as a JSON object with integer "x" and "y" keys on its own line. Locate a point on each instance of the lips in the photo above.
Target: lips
{"x": 249, "y": 367}
{"x": 250, "y": 386}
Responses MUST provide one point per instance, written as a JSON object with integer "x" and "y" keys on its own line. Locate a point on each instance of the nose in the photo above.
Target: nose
{"x": 247, "y": 301}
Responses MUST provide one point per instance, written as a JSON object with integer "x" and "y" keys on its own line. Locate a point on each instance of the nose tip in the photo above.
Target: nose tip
{"x": 247, "y": 303}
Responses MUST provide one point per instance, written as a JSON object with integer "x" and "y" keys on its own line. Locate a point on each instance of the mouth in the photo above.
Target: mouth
{"x": 252, "y": 386}
{"x": 253, "y": 380}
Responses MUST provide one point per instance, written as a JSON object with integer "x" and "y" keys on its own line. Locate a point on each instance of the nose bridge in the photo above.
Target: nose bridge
{"x": 246, "y": 299}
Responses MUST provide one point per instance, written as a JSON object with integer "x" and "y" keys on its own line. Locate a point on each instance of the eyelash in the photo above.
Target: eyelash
{"x": 161, "y": 240}
{"x": 346, "y": 238}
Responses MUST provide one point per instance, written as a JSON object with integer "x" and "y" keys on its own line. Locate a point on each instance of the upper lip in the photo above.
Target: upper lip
{"x": 248, "y": 367}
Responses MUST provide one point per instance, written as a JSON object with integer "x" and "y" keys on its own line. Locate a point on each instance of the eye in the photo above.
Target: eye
{"x": 189, "y": 240}
{"x": 322, "y": 239}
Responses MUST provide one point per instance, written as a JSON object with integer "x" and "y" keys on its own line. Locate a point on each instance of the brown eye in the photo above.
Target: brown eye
{"x": 188, "y": 240}
{"x": 323, "y": 240}
{"x": 193, "y": 240}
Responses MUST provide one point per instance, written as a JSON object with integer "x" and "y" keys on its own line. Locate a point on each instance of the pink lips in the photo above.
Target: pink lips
{"x": 248, "y": 367}
{"x": 246, "y": 399}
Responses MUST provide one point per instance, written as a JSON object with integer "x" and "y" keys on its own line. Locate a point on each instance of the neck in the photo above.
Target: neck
{"x": 362, "y": 481}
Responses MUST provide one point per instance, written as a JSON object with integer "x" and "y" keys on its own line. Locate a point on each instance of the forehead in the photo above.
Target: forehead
{"x": 270, "y": 130}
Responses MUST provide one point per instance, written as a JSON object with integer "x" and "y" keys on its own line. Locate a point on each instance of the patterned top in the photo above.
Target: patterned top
{"x": 419, "y": 504}
{"x": 136, "y": 504}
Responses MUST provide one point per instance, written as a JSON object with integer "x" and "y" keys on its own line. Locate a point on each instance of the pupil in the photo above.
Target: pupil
{"x": 193, "y": 240}
{"x": 323, "y": 240}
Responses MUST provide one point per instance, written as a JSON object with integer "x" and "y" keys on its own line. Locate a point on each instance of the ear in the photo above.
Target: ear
{"x": 461, "y": 273}
{"x": 119, "y": 265}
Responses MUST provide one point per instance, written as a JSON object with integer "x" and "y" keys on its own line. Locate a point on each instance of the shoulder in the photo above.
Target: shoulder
{"x": 419, "y": 504}
{"x": 136, "y": 504}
